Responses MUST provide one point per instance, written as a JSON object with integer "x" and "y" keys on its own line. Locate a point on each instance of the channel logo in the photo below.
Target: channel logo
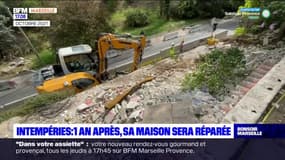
{"x": 20, "y": 16}
{"x": 265, "y": 13}
{"x": 20, "y": 10}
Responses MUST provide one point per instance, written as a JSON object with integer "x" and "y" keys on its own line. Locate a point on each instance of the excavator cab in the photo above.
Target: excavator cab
{"x": 77, "y": 59}
{"x": 76, "y": 68}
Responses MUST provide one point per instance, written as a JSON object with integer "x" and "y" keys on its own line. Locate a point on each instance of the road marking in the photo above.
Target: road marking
{"x": 18, "y": 100}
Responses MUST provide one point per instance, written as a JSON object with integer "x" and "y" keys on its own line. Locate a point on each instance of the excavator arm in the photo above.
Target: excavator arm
{"x": 110, "y": 41}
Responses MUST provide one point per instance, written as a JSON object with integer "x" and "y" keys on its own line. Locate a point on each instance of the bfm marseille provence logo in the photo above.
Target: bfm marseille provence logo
{"x": 20, "y": 13}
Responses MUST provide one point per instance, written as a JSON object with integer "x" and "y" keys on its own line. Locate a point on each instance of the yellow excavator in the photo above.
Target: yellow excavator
{"x": 79, "y": 68}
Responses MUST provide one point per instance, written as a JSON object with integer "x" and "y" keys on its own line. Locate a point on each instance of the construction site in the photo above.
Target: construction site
{"x": 151, "y": 86}
{"x": 154, "y": 94}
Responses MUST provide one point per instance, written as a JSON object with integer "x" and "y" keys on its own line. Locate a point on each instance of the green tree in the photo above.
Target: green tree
{"x": 252, "y": 3}
{"x": 164, "y": 6}
{"x": 7, "y": 38}
{"x": 210, "y": 8}
{"x": 110, "y": 4}
{"x": 187, "y": 9}
{"x": 277, "y": 9}
{"x": 79, "y": 22}
{"x": 137, "y": 18}
{"x": 232, "y": 5}
{"x": 23, "y": 3}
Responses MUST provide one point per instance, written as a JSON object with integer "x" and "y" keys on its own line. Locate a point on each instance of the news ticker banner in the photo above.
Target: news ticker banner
{"x": 148, "y": 131}
{"x": 21, "y": 16}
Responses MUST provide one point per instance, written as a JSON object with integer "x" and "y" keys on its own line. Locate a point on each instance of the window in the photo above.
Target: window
{"x": 82, "y": 83}
{"x": 80, "y": 63}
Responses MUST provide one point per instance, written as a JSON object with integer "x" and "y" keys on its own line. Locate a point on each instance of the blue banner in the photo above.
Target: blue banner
{"x": 259, "y": 130}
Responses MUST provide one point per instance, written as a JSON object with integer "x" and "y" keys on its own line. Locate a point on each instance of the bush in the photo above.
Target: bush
{"x": 215, "y": 70}
{"x": 254, "y": 29}
{"x": 183, "y": 11}
{"x": 111, "y": 5}
{"x": 47, "y": 57}
{"x": 130, "y": 1}
{"x": 277, "y": 10}
{"x": 137, "y": 18}
{"x": 79, "y": 22}
{"x": 192, "y": 9}
{"x": 240, "y": 31}
{"x": 232, "y": 5}
{"x": 206, "y": 9}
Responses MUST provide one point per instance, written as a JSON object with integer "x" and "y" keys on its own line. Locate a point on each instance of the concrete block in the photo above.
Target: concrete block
{"x": 180, "y": 110}
{"x": 123, "y": 114}
{"x": 132, "y": 105}
{"x": 109, "y": 117}
{"x": 170, "y": 36}
{"x": 137, "y": 114}
{"x": 82, "y": 107}
{"x": 158, "y": 114}
{"x": 165, "y": 52}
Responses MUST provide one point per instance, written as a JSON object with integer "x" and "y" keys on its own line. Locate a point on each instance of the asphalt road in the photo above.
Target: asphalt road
{"x": 25, "y": 88}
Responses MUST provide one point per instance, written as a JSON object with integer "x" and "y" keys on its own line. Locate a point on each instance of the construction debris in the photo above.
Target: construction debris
{"x": 82, "y": 107}
{"x": 127, "y": 98}
{"x": 119, "y": 98}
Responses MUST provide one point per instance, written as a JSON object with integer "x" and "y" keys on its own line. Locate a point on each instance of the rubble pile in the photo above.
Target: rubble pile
{"x": 160, "y": 90}
{"x": 256, "y": 56}
{"x": 89, "y": 106}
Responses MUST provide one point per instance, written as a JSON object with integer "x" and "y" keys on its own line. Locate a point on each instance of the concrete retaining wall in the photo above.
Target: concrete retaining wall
{"x": 253, "y": 105}
{"x": 188, "y": 45}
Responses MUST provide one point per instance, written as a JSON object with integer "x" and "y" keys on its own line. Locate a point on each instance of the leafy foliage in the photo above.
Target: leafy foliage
{"x": 254, "y": 29}
{"x": 185, "y": 10}
{"x": 232, "y": 5}
{"x": 137, "y": 18}
{"x": 111, "y": 4}
{"x": 7, "y": 38}
{"x": 129, "y": 1}
{"x": 156, "y": 25}
{"x": 79, "y": 22}
{"x": 47, "y": 57}
{"x": 277, "y": 9}
{"x": 215, "y": 70}
{"x": 211, "y": 8}
{"x": 240, "y": 31}
{"x": 30, "y": 3}
{"x": 251, "y": 3}
{"x": 164, "y": 6}
{"x": 204, "y": 9}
